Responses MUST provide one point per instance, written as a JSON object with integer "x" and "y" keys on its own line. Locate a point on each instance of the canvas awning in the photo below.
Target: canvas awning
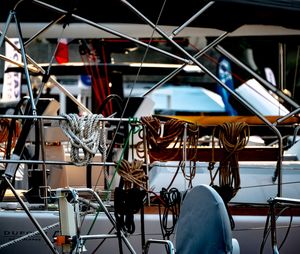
{"x": 226, "y": 15}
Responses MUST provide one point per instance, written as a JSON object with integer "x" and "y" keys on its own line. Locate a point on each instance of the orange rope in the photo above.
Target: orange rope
{"x": 4, "y": 132}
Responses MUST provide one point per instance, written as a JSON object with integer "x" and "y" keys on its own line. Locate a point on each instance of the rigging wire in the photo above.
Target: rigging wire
{"x": 107, "y": 85}
{"x": 296, "y": 71}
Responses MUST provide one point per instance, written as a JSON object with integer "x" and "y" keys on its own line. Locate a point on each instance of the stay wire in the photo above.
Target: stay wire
{"x": 110, "y": 109}
{"x": 296, "y": 71}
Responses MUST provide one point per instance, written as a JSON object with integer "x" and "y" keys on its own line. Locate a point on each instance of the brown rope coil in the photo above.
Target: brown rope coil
{"x": 132, "y": 174}
{"x": 5, "y": 125}
{"x": 164, "y": 136}
{"x": 169, "y": 134}
{"x": 233, "y": 137}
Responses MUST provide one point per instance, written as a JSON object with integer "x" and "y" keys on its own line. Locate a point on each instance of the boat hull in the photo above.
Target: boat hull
{"x": 248, "y": 231}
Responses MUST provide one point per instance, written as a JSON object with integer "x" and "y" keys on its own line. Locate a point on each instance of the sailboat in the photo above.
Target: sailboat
{"x": 58, "y": 214}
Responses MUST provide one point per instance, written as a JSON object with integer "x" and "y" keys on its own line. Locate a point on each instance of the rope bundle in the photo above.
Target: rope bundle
{"x": 161, "y": 136}
{"x": 5, "y": 126}
{"x": 158, "y": 138}
{"x": 233, "y": 137}
{"x": 132, "y": 174}
{"x": 86, "y": 134}
{"x": 129, "y": 200}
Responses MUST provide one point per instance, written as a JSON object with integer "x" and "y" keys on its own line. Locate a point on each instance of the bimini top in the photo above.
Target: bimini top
{"x": 226, "y": 15}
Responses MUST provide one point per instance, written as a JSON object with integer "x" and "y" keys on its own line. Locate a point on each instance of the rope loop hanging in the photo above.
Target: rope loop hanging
{"x": 133, "y": 174}
{"x": 169, "y": 134}
{"x": 7, "y": 126}
{"x": 170, "y": 208}
{"x": 87, "y": 134}
{"x": 232, "y": 138}
{"x": 129, "y": 200}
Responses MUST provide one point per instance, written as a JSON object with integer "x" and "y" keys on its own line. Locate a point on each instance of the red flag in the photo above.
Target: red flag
{"x": 62, "y": 52}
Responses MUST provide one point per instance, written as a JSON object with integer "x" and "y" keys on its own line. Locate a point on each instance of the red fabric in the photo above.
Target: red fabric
{"x": 62, "y": 52}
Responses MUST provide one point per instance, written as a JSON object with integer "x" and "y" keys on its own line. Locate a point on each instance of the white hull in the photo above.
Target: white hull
{"x": 248, "y": 232}
{"x": 248, "y": 229}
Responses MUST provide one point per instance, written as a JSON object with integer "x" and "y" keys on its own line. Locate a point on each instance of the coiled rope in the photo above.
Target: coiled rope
{"x": 170, "y": 134}
{"x": 87, "y": 134}
{"x": 161, "y": 136}
{"x": 129, "y": 200}
{"x": 5, "y": 128}
{"x": 133, "y": 174}
{"x": 233, "y": 137}
{"x": 171, "y": 208}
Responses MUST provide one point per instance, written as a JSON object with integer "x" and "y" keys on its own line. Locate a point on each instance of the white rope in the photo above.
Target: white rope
{"x": 87, "y": 134}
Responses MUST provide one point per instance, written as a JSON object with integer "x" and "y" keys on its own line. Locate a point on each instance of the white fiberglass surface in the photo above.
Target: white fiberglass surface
{"x": 257, "y": 185}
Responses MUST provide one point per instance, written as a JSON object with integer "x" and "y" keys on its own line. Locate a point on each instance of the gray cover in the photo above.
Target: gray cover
{"x": 203, "y": 225}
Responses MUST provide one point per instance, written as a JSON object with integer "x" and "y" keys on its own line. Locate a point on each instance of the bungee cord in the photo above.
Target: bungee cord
{"x": 171, "y": 207}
